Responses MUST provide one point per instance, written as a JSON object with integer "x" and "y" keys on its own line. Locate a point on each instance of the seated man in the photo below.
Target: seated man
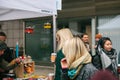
{"x": 8, "y": 54}
{"x": 4, "y": 65}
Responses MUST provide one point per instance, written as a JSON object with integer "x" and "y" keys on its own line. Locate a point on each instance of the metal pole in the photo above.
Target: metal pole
{"x": 93, "y": 34}
{"x": 23, "y": 37}
{"x": 54, "y": 33}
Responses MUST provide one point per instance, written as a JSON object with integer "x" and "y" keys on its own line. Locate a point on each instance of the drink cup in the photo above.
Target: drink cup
{"x": 118, "y": 69}
{"x": 53, "y": 57}
{"x": 51, "y": 76}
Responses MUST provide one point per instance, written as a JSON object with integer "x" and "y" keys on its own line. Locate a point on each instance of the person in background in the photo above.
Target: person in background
{"x": 8, "y": 54}
{"x": 85, "y": 39}
{"x": 4, "y": 65}
{"x": 77, "y": 62}
{"x": 97, "y": 38}
{"x": 104, "y": 75}
{"x": 61, "y": 36}
{"x": 106, "y": 56}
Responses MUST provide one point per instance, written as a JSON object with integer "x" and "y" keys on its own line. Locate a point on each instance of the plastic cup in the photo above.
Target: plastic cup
{"x": 53, "y": 57}
{"x": 51, "y": 76}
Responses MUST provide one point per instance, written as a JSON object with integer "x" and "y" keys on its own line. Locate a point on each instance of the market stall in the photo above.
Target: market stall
{"x": 26, "y": 70}
{"x": 25, "y": 9}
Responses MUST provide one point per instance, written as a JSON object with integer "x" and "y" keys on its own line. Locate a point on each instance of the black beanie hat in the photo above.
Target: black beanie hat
{"x": 3, "y": 45}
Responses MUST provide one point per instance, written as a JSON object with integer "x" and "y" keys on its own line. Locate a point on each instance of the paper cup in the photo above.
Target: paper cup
{"x": 51, "y": 76}
{"x": 53, "y": 57}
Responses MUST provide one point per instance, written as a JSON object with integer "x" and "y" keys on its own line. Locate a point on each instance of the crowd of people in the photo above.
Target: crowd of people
{"x": 75, "y": 62}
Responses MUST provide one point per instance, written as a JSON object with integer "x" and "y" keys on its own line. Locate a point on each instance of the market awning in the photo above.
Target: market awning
{"x": 22, "y": 9}
{"x": 112, "y": 24}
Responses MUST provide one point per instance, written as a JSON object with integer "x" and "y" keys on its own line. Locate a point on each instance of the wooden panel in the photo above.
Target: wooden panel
{"x": 97, "y": 1}
{"x": 86, "y": 11}
{"x": 111, "y": 7}
{"x": 77, "y": 8}
{"x": 71, "y": 1}
{"x": 78, "y": 4}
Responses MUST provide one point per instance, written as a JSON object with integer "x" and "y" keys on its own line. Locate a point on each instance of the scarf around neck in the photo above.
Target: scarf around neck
{"x": 73, "y": 72}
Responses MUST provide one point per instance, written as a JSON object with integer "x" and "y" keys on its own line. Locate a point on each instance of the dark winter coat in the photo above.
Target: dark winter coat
{"x": 5, "y": 66}
{"x": 60, "y": 55}
{"x": 8, "y": 55}
{"x": 96, "y": 60}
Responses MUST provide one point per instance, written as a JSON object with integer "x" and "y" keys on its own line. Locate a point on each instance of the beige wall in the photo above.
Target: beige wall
{"x": 14, "y": 32}
{"x": 89, "y": 32}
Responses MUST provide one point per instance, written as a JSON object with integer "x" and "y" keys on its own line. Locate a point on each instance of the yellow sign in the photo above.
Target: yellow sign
{"x": 47, "y": 25}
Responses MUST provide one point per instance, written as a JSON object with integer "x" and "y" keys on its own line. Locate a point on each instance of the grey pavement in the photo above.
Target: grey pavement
{"x": 43, "y": 70}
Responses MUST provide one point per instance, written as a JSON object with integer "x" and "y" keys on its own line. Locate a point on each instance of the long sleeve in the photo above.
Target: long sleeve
{"x": 64, "y": 74}
{"x": 58, "y": 65}
{"x": 8, "y": 55}
{"x": 7, "y": 66}
{"x": 86, "y": 72}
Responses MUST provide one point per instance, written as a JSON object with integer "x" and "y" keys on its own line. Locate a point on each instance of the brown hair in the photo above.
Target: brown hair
{"x": 98, "y": 36}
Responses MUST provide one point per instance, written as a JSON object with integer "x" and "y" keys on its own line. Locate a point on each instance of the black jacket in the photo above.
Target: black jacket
{"x": 96, "y": 60}
{"x": 8, "y": 55}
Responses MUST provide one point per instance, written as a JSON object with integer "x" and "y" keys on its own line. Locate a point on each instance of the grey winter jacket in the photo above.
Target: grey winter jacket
{"x": 86, "y": 72}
